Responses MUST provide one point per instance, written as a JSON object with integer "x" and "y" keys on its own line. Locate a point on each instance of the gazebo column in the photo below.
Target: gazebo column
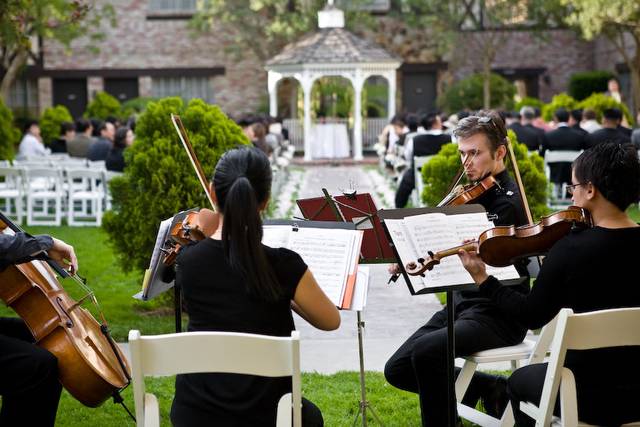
{"x": 391, "y": 102}
{"x": 358, "y": 82}
{"x": 307, "y": 84}
{"x": 272, "y": 87}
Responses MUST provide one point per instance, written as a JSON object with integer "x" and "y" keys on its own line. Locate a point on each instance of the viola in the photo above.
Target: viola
{"x": 504, "y": 245}
{"x": 91, "y": 366}
{"x": 195, "y": 226}
{"x": 462, "y": 195}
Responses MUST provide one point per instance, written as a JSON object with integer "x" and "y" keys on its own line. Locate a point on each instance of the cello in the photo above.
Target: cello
{"x": 91, "y": 366}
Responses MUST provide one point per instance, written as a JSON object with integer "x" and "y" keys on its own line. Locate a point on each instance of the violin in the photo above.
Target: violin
{"x": 502, "y": 246}
{"x": 462, "y": 195}
{"x": 91, "y": 366}
{"x": 190, "y": 226}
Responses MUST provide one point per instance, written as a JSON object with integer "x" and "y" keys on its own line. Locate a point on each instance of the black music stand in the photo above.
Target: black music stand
{"x": 447, "y": 210}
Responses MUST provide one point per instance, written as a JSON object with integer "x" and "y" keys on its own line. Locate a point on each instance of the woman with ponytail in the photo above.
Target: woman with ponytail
{"x": 232, "y": 282}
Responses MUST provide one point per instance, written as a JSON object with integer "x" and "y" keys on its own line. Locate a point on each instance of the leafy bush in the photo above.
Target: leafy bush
{"x": 528, "y": 101}
{"x": 135, "y": 106}
{"x": 600, "y": 102}
{"x": 103, "y": 106}
{"x": 468, "y": 94}
{"x": 9, "y": 135}
{"x": 440, "y": 170}
{"x": 582, "y": 85}
{"x": 158, "y": 180}
{"x": 561, "y": 100}
{"x": 51, "y": 121}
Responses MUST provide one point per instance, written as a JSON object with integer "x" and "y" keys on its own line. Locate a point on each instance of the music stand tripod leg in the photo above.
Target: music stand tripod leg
{"x": 364, "y": 403}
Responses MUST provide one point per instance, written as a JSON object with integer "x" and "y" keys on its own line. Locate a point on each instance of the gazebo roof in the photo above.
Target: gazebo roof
{"x": 331, "y": 46}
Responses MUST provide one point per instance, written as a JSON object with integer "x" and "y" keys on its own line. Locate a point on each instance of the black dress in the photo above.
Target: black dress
{"x": 217, "y": 299}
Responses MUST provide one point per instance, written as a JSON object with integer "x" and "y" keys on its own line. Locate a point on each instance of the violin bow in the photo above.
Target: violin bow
{"x": 182, "y": 133}
{"x": 516, "y": 171}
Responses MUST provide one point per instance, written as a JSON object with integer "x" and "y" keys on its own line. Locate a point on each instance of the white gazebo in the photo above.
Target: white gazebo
{"x": 332, "y": 51}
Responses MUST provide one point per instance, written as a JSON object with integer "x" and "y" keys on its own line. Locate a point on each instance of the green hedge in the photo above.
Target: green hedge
{"x": 103, "y": 106}
{"x": 468, "y": 94}
{"x": 528, "y": 101}
{"x": 561, "y": 100}
{"x": 51, "y": 121}
{"x": 158, "y": 180}
{"x": 582, "y": 85}
{"x": 9, "y": 135}
{"x": 600, "y": 102}
{"x": 440, "y": 170}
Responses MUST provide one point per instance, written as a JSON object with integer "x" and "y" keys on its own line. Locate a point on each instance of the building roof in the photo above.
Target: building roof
{"x": 331, "y": 46}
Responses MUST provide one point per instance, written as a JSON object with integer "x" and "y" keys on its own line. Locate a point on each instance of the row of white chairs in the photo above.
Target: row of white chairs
{"x": 192, "y": 352}
{"x": 44, "y": 194}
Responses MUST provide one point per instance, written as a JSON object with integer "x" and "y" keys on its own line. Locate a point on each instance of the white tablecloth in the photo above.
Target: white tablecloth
{"x": 329, "y": 141}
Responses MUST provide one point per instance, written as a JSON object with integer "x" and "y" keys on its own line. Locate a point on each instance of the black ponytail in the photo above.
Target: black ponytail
{"x": 242, "y": 182}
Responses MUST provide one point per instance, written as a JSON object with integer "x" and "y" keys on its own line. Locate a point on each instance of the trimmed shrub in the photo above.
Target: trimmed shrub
{"x": 135, "y": 106}
{"x": 103, "y": 106}
{"x": 9, "y": 134}
{"x": 600, "y": 102}
{"x": 582, "y": 85}
{"x": 51, "y": 121}
{"x": 440, "y": 170}
{"x": 159, "y": 180}
{"x": 561, "y": 100}
{"x": 468, "y": 94}
{"x": 528, "y": 101}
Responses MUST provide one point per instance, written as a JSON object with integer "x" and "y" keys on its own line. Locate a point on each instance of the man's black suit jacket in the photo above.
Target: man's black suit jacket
{"x": 567, "y": 139}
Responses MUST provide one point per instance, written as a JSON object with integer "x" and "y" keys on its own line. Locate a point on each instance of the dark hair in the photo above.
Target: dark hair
{"x": 429, "y": 120}
{"x": 82, "y": 125}
{"x": 486, "y": 122}
{"x": 562, "y": 115}
{"x": 97, "y": 126}
{"x": 66, "y": 127}
{"x": 577, "y": 114}
{"x": 120, "y": 140}
{"x": 612, "y": 114}
{"x": 613, "y": 169}
{"x": 589, "y": 114}
{"x": 397, "y": 120}
{"x": 242, "y": 181}
{"x": 29, "y": 123}
{"x": 412, "y": 122}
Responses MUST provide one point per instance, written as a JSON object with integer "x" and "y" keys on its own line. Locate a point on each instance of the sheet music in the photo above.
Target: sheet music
{"x": 276, "y": 236}
{"x": 361, "y": 290}
{"x": 152, "y": 284}
{"x": 405, "y": 248}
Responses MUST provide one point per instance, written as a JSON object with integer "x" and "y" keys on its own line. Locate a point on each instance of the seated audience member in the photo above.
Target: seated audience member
{"x": 67, "y": 133}
{"x": 31, "y": 144}
{"x": 575, "y": 118}
{"x": 425, "y": 144}
{"x": 115, "y": 158}
{"x": 259, "y": 138}
{"x": 606, "y": 180}
{"x": 562, "y": 138}
{"x": 539, "y": 121}
{"x": 231, "y": 282}
{"x": 590, "y": 121}
{"x": 79, "y": 145}
{"x": 526, "y": 133}
{"x": 611, "y": 118}
{"x": 99, "y": 149}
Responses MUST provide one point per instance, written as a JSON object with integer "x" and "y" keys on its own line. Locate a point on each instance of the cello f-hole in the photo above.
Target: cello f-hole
{"x": 69, "y": 322}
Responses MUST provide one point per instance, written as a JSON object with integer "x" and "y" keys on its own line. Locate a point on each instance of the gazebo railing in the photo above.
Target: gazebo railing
{"x": 371, "y": 128}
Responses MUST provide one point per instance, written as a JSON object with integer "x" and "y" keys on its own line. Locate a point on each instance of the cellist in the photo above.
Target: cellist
{"x": 29, "y": 382}
{"x": 419, "y": 365}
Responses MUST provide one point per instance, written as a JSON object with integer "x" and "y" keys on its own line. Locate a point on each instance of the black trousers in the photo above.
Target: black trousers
{"x": 597, "y": 405}
{"x": 406, "y": 186}
{"x": 28, "y": 378}
{"x": 420, "y": 364}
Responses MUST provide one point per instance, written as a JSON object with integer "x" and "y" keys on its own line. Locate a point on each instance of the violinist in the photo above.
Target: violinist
{"x": 419, "y": 365}
{"x": 28, "y": 374}
{"x": 587, "y": 270}
{"x": 231, "y": 282}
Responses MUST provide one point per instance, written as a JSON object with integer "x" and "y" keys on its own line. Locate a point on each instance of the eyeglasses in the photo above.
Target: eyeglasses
{"x": 570, "y": 188}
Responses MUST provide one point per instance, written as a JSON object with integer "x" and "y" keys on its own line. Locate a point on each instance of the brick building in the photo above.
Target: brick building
{"x": 152, "y": 52}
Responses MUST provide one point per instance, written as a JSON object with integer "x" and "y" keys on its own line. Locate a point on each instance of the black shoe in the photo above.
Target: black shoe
{"x": 497, "y": 399}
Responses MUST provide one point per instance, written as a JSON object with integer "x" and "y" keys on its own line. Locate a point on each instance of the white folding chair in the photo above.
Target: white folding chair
{"x": 44, "y": 185}
{"x": 559, "y": 192}
{"x": 12, "y": 192}
{"x": 418, "y": 162}
{"x": 86, "y": 190}
{"x": 584, "y": 331}
{"x": 227, "y": 352}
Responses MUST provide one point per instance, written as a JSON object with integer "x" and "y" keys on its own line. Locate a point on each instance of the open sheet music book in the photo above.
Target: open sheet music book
{"x": 332, "y": 255}
{"x": 414, "y": 236}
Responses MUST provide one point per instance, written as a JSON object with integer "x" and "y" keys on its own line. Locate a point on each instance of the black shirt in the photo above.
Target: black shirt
{"x": 217, "y": 299}
{"x": 115, "y": 159}
{"x": 504, "y": 202}
{"x": 22, "y": 247}
{"x": 607, "y": 135}
{"x": 588, "y": 270}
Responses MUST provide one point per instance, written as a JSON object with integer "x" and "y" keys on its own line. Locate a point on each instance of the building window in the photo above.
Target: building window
{"x": 172, "y": 6}
{"x": 23, "y": 97}
{"x": 184, "y": 87}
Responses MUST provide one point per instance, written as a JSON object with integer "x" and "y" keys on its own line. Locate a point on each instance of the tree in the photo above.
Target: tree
{"x": 469, "y": 94}
{"x": 51, "y": 121}
{"x": 23, "y": 23}
{"x": 9, "y": 135}
{"x": 103, "y": 106}
{"x": 619, "y": 22}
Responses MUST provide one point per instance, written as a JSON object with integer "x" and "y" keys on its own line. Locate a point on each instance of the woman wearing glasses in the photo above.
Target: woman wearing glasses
{"x": 588, "y": 270}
